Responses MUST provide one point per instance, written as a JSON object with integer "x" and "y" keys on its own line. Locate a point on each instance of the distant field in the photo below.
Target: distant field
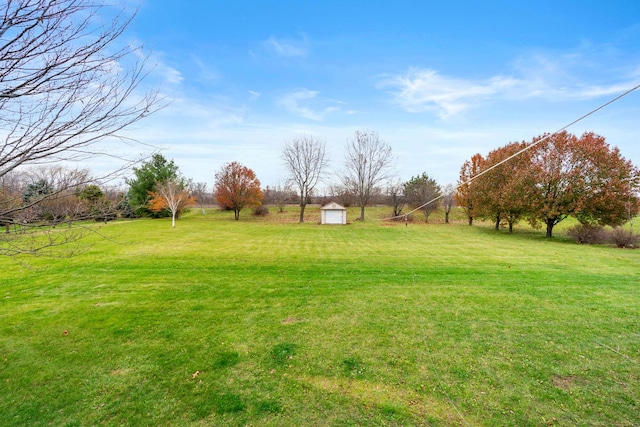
{"x": 266, "y": 322}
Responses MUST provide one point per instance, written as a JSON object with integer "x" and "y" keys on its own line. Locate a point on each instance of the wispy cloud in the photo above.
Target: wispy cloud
{"x": 170, "y": 74}
{"x": 163, "y": 72}
{"x": 421, "y": 90}
{"x": 292, "y": 103}
{"x": 574, "y": 75}
{"x": 536, "y": 76}
{"x": 253, "y": 95}
{"x": 297, "y": 103}
{"x": 207, "y": 71}
{"x": 287, "y": 47}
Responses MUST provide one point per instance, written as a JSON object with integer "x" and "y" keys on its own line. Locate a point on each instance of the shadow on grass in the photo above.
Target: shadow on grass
{"x": 354, "y": 367}
{"x": 225, "y": 359}
{"x": 268, "y": 407}
{"x": 282, "y": 353}
{"x": 220, "y": 403}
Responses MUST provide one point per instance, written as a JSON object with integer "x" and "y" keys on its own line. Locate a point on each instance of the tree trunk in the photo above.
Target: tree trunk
{"x": 302, "y": 206}
{"x": 173, "y": 219}
{"x": 550, "y": 224}
{"x": 446, "y": 217}
{"x": 498, "y": 222}
{"x": 362, "y": 212}
{"x": 470, "y": 220}
{"x": 236, "y": 213}
{"x": 510, "y": 227}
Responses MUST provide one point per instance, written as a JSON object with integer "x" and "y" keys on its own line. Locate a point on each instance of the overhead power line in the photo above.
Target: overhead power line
{"x": 528, "y": 147}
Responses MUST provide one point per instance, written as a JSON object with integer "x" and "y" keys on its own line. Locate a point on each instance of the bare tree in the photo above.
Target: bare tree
{"x": 341, "y": 194}
{"x": 279, "y": 195}
{"x": 305, "y": 158}
{"x": 448, "y": 200}
{"x": 66, "y": 84}
{"x": 11, "y": 187}
{"x": 34, "y": 202}
{"x": 199, "y": 190}
{"x": 369, "y": 161}
{"x": 396, "y": 198}
{"x": 50, "y": 195}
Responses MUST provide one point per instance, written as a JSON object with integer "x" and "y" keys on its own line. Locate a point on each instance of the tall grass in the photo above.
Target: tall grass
{"x": 264, "y": 321}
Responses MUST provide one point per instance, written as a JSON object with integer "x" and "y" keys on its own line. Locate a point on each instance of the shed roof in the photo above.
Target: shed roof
{"x": 333, "y": 206}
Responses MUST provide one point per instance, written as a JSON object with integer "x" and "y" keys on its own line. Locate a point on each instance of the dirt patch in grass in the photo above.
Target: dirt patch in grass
{"x": 291, "y": 320}
{"x": 121, "y": 372}
{"x": 565, "y": 382}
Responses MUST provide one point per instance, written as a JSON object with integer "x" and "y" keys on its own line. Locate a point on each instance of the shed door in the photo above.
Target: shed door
{"x": 334, "y": 217}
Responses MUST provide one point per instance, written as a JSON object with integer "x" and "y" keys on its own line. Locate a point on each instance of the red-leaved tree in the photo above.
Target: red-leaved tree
{"x": 581, "y": 177}
{"x": 237, "y": 187}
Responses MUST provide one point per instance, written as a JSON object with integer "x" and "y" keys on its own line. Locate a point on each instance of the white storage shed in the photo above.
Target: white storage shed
{"x": 333, "y": 213}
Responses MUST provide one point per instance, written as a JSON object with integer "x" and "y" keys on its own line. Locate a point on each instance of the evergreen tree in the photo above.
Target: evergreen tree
{"x": 156, "y": 170}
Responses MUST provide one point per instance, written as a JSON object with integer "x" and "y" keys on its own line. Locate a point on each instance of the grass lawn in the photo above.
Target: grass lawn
{"x": 266, "y": 322}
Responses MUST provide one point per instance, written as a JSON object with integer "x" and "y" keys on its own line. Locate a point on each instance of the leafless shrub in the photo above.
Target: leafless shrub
{"x": 588, "y": 234}
{"x": 261, "y": 210}
{"x": 624, "y": 238}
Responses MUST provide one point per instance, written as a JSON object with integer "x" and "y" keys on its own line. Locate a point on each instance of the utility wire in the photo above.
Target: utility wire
{"x": 473, "y": 178}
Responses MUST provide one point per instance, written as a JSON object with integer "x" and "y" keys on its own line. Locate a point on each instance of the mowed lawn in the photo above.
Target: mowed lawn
{"x": 266, "y": 322}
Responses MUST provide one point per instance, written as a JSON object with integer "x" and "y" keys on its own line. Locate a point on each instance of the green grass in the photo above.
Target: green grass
{"x": 267, "y": 322}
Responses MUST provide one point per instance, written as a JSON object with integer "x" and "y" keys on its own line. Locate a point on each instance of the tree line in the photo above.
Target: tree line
{"x": 548, "y": 179}
{"x": 542, "y": 181}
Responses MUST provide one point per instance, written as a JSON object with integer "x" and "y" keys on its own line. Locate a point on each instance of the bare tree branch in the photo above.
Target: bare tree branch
{"x": 369, "y": 161}
{"x": 66, "y": 86}
{"x": 306, "y": 159}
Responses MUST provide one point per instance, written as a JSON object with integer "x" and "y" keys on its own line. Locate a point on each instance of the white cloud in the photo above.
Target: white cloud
{"x": 162, "y": 71}
{"x": 170, "y": 74}
{"x": 253, "y": 95}
{"x": 297, "y": 102}
{"x": 421, "y": 90}
{"x": 207, "y": 71}
{"x": 425, "y": 90}
{"x": 287, "y": 48}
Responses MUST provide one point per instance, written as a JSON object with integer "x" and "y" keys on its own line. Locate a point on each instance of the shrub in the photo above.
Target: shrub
{"x": 587, "y": 234}
{"x": 261, "y": 211}
{"x": 624, "y": 238}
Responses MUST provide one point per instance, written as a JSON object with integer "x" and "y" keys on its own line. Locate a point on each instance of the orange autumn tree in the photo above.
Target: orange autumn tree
{"x": 465, "y": 195}
{"x": 170, "y": 195}
{"x": 237, "y": 187}
{"x": 499, "y": 191}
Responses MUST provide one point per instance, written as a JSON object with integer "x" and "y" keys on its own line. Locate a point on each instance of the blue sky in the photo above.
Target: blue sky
{"x": 439, "y": 81}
